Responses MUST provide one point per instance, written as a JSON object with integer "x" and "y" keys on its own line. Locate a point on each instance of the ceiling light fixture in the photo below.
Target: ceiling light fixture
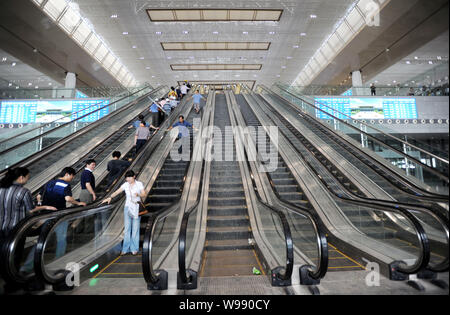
{"x": 158, "y": 33}
{"x": 114, "y": 16}
{"x": 302, "y": 34}
{"x": 313, "y": 16}
{"x": 13, "y": 64}
{"x": 245, "y": 33}
{"x": 124, "y": 33}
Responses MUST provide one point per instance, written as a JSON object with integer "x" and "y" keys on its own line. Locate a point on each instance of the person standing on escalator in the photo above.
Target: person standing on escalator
{"x": 87, "y": 194}
{"x": 134, "y": 191}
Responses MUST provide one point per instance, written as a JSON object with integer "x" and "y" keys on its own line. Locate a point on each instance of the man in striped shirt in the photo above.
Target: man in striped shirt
{"x": 16, "y": 201}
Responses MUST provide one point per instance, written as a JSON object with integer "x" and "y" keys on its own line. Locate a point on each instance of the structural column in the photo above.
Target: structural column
{"x": 357, "y": 83}
{"x": 71, "y": 82}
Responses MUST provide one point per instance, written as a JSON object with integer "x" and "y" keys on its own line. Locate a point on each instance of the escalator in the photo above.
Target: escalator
{"x": 166, "y": 191}
{"x": 228, "y": 251}
{"x": 376, "y": 224}
{"x": 395, "y": 186}
{"x": 288, "y": 189}
{"x": 85, "y": 224}
{"x": 434, "y": 220}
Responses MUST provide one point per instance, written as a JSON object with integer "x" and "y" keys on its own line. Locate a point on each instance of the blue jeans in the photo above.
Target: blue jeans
{"x": 61, "y": 238}
{"x": 131, "y": 233}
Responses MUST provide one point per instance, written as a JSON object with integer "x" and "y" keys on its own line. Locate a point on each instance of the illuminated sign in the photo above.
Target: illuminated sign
{"x": 366, "y": 108}
{"x": 45, "y": 111}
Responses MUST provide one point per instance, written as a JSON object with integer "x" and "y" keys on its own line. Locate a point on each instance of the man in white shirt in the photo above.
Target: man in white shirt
{"x": 184, "y": 90}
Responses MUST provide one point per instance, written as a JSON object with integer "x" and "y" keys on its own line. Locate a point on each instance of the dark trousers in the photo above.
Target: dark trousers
{"x": 154, "y": 119}
{"x": 139, "y": 144}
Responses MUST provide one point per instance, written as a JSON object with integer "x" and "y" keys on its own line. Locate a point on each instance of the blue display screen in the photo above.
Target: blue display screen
{"x": 367, "y": 108}
{"x": 45, "y": 111}
{"x": 84, "y": 107}
{"x": 14, "y": 112}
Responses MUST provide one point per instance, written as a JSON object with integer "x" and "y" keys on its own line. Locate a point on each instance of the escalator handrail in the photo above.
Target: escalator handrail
{"x": 150, "y": 275}
{"x": 433, "y": 196}
{"x": 424, "y": 259}
{"x": 43, "y": 238}
{"x": 124, "y": 128}
{"x": 58, "y": 143}
{"x": 436, "y": 215}
{"x": 362, "y": 123}
{"x": 183, "y": 232}
{"x": 51, "y": 122}
{"x": 429, "y": 168}
{"x": 9, "y": 247}
{"x": 321, "y": 239}
{"x": 185, "y": 278}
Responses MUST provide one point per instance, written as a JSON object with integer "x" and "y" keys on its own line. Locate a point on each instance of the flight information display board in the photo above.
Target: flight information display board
{"x": 46, "y": 111}
{"x": 84, "y": 107}
{"x": 366, "y": 108}
{"x": 14, "y": 112}
{"x": 332, "y": 106}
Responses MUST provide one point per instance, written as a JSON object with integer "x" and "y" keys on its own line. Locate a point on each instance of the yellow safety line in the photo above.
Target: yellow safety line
{"x": 123, "y": 273}
{"x": 230, "y": 266}
{"x": 352, "y": 260}
{"x": 106, "y": 267}
{"x": 128, "y": 264}
{"x": 411, "y": 245}
{"x": 204, "y": 258}
{"x": 259, "y": 263}
{"x": 344, "y": 267}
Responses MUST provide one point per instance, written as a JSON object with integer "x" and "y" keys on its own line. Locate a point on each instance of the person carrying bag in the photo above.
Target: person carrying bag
{"x": 134, "y": 191}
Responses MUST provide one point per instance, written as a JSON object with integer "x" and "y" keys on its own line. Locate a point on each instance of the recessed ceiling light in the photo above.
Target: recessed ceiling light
{"x": 36, "y": 87}
{"x": 272, "y": 33}
{"x": 13, "y": 64}
{"x": 245, "y": 33}
{"x": 134, "y": 47}
{"x": 417, "y": 58}
{"x": 278, "y": 75}
{"x": 141, "y": 58}
{"x": 283, "y": 67}
{"x": 158, "y": 33}
{"x": 313, "y": 16}
{"x": 430, "y": 62}
{"x": 10, "y": 84}
{"x": 439, "y": 58}
{"x": 215, "y": 33}
{"x": 114, "y": 16}
{"x": 4, "y": 59}
{"x": 296, "y": 46}
{"x": 185, "y": 32}
{"x": 124, "y": 33}
{"x": 148, "y": 68}
{"x": 17, "y": 87}
{"x": 30, "y": 84}
{"x": 302, "y": 34}
{"x": 408, "y": 62}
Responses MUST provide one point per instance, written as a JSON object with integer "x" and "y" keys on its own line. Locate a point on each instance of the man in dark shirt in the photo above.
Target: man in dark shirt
{"x": 56, "y": 193}
{"x": 116, "y": 167}
{"x": 87, "y": 193}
